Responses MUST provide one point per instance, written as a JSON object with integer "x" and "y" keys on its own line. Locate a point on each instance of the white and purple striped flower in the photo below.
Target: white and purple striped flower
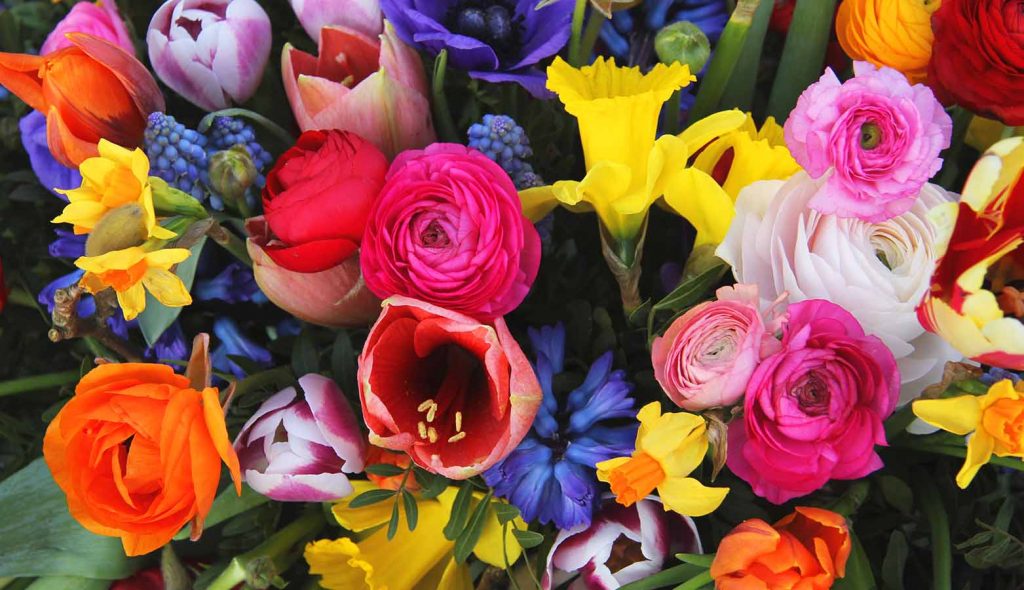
{"x": 299, "y": 449}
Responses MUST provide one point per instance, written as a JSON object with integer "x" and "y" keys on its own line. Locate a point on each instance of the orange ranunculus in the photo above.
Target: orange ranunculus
{"x": 807, "y": 549}
{"x": 137, "y": 451}
{"x": 90, "y": 91}
{"x": 893, "y": 33}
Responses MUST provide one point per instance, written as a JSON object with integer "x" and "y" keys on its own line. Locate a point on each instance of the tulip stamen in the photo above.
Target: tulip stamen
{"x": 458, "y": 421}
{"x": 430, "y": 407}
{"x": 456, "y": 437}
{"x": 422, "y": 428}
{"x": 431, "y": 434}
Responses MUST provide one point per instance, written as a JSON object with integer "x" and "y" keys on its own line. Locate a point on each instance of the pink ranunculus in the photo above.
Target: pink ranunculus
{"x": 359, "y": 15}
{"x": 448, "y": 228}
{"x": 454, "y": 394}
{"x": 100, "y": 19}
{"x": 707, "y": 355}
{"x": 622, "y": 545}
{"x": 299, "y": 449}
{"x": 814, "y": 410}
{"x": 876, "y": 137}
{"x": 369, "y": 85}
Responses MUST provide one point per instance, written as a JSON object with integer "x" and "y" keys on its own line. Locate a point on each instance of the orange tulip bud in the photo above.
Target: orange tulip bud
{"x": 90, "y": 91}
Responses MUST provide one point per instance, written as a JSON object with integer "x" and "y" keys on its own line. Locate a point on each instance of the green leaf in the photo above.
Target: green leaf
{"x": 527, "y": 539}
{"x": 227, "y": 505}
{"x": 371, "y": 497}
{"x": 696, "y": 559}
{"x": 938, "y": 526}
{"x": 469, "y": 536}
{"x": 699, "y": 581}
{"x": 739, "y": 90}
{"x": 858, "y": 568}
{"x": 665, "y": 578}
{"x": 38, "y": 537}
{"x": 393, "y": 523}
{"x": 68, "y": 582}
{"x": 157, "y": 317}
{"x": 460, "y": 510}
{"x": 723, "y": 63}
{"x": 688, "y": 294}
{"x": 384, "y": 470}
{"x": 431, "y": 484}
{"x": 506, "y": 513}
{"x": 304, "y": 357}
{"x": 897, "y": 493}
{"x": 343, "y": 362}
{"x": 895, "y": 561}
{"x": 411, "y": 510}
{"x": 803, "y": 57}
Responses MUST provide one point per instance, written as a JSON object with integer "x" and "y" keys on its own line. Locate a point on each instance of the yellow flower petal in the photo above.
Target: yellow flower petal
{"x": 167, "y": 257}
{"x": 537, "y": 202}
{"x": 132, "y": 301}
{"x": 166, "y": 287}
{"x": 606, "y": 467}
{"x": 711, "y": 127}
{"x": 697, "y": 197}
{"x": 113, "y": 260}
{"x": 83, "y": 214}
{"x": 979, "y": 451}
{"x": 959, "y": 415}
{"x": 489, "y": 548}
{"x": 689, "y": 497}
{"x": 338, "y": 562}
{"x": 453, "y": 576}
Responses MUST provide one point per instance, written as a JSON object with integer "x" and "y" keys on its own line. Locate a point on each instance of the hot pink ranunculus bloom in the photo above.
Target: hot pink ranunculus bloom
{"x": 876, "y": 137}
{"x": 100, "y": 19}
{"x": 708, "y": 354}
{"x": 448, "y": 229}
{"x": 814, "y": 409}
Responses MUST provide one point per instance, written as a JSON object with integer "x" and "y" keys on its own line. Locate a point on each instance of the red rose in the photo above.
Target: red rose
{"x": 317, "y": 199}
{"x": 978, "y": 57}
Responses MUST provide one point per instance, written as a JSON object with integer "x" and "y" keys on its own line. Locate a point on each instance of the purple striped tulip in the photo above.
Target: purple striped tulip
{"x": 212, "y": 52}
{"x": 299, "y": 449}
{"x": 359, "y": 15}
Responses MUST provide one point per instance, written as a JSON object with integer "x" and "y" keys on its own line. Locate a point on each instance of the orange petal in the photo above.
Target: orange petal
{"x": 19, "y": 73}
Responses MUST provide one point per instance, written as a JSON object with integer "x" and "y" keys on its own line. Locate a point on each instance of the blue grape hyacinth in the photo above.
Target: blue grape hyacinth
{"x": 551, "y": 476}
{"x": 629, "y": 35}
{"x": 177, "y": 154}
{"x": 499, "y": 138}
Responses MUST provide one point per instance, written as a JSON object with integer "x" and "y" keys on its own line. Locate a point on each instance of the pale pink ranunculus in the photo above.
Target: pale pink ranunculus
{"x": 707, "y": 355}
{"x": 875, "y": 137}
{"x": 212, "y": 52}
{"x": 374, "y": 87}
{"x": 598, "y": 556}
{"x": 814, "y": 409}
{"x": 448, "y": 228}
{"x": 100, "y": 19}
{"x": 298, "y": 449}
{"x": 336, "y": 297}
{"x": 359, "y": 15}
{"x": 456, "y": 395}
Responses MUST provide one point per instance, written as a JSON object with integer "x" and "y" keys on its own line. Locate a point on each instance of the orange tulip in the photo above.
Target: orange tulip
{"x": 90, "y": 91}
{"x": 137, "y": 451}
{"x": 807, "y": 549}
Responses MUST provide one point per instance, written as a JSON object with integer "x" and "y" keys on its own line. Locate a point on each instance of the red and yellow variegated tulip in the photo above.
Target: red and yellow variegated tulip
{"x": 975, "y": 301}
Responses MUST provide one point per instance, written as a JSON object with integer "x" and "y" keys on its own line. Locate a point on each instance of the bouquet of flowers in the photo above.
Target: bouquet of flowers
{"x": 531, "y": 294}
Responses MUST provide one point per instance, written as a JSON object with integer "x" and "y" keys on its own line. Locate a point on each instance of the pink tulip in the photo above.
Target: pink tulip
{"x": 101, "y": 20}
{"x": 298, "y": 450}
{"x": 336, "y": 297}
{"x": 212, "y": 52}
{"x": 373, "y": 87}
{"x": 359, "y": 15}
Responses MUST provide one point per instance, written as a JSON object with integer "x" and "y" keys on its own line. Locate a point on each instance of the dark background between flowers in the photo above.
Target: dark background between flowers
{"x": 574, "y": 286}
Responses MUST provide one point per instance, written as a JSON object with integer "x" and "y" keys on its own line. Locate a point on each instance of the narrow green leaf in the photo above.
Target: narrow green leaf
{"x": 304, "y": 357}
{"x": 343, "y": 362}
{"x": 431, "y": 484}
{"x": 897, "y": 493}
{"x": 157, "y": 317}
{"x": 803, "y": 57}
{"x": 469, "y": 536}
{"x": 384, "y": 470}
{"x": 739, "y": 90}
{"x": 858, "y": 568}
{"x": 695, "y": 583}
{"x": 527, "y": 539}
{"x": 393, "y": 523}
{"x": 66, "y": 583}
{"x": 227, "y": 505}
{"x": 460, "y": 511}
{"x": 938, "y": 524}
{"x": 666, "y": 578}
{"x": 506, "y": 513}
{"x": 696, "y": 559}
{"x": 895, "y": 561}
{"x": 371, "y": 497}
{"x": 692, "y": 290}
{"x": 727, "y": 54}
{"x": 412, "y": 514}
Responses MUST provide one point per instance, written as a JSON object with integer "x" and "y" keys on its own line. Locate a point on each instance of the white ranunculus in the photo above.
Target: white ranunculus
{"x": 877, "y": 271}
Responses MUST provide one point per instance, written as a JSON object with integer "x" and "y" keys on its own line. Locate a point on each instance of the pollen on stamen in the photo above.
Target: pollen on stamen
{"x": 458, "y": 421}
{"x": 456, "y": 437}
{"x": 432, "y": 434}
{"x": 423, "y": 407}
{"x": 431, "y": 413}
{"x": 422, "y": 429}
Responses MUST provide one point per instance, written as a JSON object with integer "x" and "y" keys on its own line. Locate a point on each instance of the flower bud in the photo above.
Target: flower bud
{"x": 121, "y": 228}
{"x": 232, "y": 172}
{"x": 685, "y": 43}
{"x": 168, "y": 200}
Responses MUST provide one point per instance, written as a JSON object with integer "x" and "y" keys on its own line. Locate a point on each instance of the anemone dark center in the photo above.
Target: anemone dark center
{"x": 870, "y": 136}
{"x": 812, "y": 395}
{"x": 494, "y": 23}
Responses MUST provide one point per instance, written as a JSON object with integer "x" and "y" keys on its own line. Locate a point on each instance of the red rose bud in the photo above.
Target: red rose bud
{"x": 455, "y": 394}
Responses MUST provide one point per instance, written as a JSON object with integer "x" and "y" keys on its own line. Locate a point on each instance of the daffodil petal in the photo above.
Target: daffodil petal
{"x": 979, "y": 451}
{"x": 132, "y": 301}
{"x": 166, "y": 287}
{"x": 689, "y": 497}
{"x": 959, "y": 415}
{"x": 606, "y": 467}
{"x": 715, "y": 125}
{"x": 697, "y": 198}
{"x": 538, "y": 202}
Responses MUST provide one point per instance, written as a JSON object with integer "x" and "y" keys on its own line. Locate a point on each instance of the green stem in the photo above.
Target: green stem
{"x": 803, "y": 56}
{"x": 230, "y": 242}
{"x": 591, "y": 33}
{"x": 37, "y": 382}
{"x": 673, "y": 106}
{"x": 938, "y": 523}
{"x": 266, "y": 123}
{"x": 727, "y": 55}
{"x": 666, "y": 578}
{"x": 442, "y": 114}
{"x": 852, "y": 498}
{"x": 896, "y": 425}
{"x": 19, "y": 296}
{"x": 264, "y": 559}
{"x": 958, "y": 452}
{"x": 264, "y": 379}
{"x": 575, "y": 40}
{"x": 699, "y": 581}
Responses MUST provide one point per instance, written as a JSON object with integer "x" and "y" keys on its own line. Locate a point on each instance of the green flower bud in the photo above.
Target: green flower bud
{"x": 120, "y": 228}
{"x": 232, "y": 173}
{"x": 685, "y": 43}
{"x": 168, "y": 200}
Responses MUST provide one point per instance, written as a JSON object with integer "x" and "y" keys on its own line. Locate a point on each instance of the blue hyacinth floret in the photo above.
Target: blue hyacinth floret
{"x": 499, "y": 138}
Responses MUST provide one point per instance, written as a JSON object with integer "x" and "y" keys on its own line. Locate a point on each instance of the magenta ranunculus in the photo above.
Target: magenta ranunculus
{"x": 814, "y": 410}
{"x": 100, "y": 19}
{"x": 707, "y": 355}
{"x": 299, "y": 449}
{"x": 876, "y": 136}
{"x": 448, "y": 229}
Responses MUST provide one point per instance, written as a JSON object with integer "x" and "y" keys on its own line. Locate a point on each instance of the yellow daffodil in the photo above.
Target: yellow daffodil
{"x": 116, "y": 178}
{"x": 668, "y": 448}
{"x": 426, "y": 555}
{"x": 996, "y": 419}
{"x": 743, "y": 155}
{"x": 627, "y": 168}
{"x": 133, "y": 271}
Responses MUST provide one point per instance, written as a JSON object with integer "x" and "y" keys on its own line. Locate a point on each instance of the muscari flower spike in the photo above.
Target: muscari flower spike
{"x": 502, "y": 140}
{"x": 551, "y": 476}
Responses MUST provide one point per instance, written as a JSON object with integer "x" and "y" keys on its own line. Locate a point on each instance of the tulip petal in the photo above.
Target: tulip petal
{"x": 19, "y": 73}
{"x": 283, "y": 487}
{"x": 130, "y": 71}
{"x": 336, "y": 420}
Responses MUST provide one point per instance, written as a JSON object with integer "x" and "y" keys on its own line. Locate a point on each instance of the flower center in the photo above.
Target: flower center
{"x": 434, "y": 236}
{"x": 870, "y": 136}
{"x": 636, "y": 478}
{"x": 464, "y": 376}
{"x": 812, "y": 395}
{"x": 493, "y": 23}
{"x": 1004, "y": 420}
{"x": 625, "y": 552}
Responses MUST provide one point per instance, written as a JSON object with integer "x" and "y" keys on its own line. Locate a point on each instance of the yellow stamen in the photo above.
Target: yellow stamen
{"x": 425, "y": 405}
{"x": 432, "y": 434}
{"x": 636, "y": 479}
{"x": 422, "y": 429}
{"x": 458, "y": 421}
{"x": 431, "y": 413}
{"x": 457, "y": 437}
